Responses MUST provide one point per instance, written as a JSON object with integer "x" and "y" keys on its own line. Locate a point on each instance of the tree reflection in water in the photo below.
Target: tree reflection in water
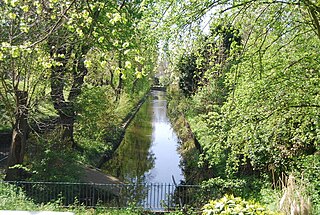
{"x": 134, "y": 162}
{"x": 133, "y": 158}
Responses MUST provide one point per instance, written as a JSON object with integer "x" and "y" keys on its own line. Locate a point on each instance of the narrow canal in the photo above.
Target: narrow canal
{"x": 148, "y": 152}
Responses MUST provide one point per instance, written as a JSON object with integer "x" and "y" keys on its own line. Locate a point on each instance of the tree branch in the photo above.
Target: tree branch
{"x": 122, "y": 5}
{"x": 315, "y": 20}
{"x": 54, "y": 27}
{"x": 89, "y": 8}
{"x": 305, "y": 106}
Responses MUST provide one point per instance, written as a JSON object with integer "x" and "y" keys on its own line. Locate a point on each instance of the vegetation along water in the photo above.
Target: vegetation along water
{"x": 238, "y": 127}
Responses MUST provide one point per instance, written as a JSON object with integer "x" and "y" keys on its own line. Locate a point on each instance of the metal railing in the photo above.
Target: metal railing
{"x": 146, "y": 196}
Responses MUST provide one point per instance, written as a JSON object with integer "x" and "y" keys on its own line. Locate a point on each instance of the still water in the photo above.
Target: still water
{"x": 148, "y": 152}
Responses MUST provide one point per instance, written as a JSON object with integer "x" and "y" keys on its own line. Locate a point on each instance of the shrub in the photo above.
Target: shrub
{"x": 229, "y": 205}
{"x": 217, "y": 187}
{"x": 49, "y": 159}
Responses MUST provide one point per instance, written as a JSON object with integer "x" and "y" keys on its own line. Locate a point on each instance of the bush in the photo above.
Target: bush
{"x": 49, "y": 159}
{"x": 229, "y": 205}
{"x": 218, "y": 187}
{"x": 13, "y": 198}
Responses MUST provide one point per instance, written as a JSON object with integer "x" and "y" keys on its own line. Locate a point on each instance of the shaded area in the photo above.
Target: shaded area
{"x": 119, "y": 133}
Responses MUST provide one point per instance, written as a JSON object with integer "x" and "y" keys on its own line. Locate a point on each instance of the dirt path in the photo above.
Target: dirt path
{"x": 94, "y": 175}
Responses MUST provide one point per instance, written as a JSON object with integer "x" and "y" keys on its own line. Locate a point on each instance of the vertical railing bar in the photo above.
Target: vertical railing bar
{"x": 87, "y": 197}
{"x": 155, "y": 197}
{"x": 161, "y": 194}
{"x": 156, "y": 193}
{"x": 41, "y": 192}
{"x": 148, "y": 197}
{"x": 158, "y": 196}
{"x": 168, "y": 196}
{"x": 145, "y": 195}
{"x": 91, "y": 195}
{"x": 80, "y": 193}
{"x": 104, "y": 196}
{"x": 44, "y": 194}
{"x": 67, "y": 195}
{"x": 186, "y": 197}
{"x": 63, "y": 188}
{"x": 71, "y": 197}
{"x": 97, "y": 198}
{"x": 152, "y": 197}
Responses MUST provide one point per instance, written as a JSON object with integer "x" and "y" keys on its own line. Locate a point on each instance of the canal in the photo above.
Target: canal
{"x": 148, "y": 152}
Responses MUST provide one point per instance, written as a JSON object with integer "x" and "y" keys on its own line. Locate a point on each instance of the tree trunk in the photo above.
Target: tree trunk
{"x": 65, "y": 107}
{"x": 67, "y": 117}
{"x": 19, "y": 137}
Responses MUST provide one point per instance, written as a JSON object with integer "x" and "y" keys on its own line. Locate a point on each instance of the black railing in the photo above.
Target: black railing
{"x": 146, "y": 196}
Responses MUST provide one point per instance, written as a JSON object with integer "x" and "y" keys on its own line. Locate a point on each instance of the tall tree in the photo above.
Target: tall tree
{"x": 84, "y": 33}
{"x": 24, "y": 67}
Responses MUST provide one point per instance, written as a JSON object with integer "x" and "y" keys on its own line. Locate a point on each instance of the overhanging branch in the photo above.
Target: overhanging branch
{"x": 54, "y": 26}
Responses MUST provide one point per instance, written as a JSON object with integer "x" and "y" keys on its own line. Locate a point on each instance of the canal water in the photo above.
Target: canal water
{"x": 148, "y": 152}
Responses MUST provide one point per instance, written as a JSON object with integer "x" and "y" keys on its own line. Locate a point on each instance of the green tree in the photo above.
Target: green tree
{"x": 268, "y": 114}
{"x": 84, "y": 36}
{"x": 24, "y": 68}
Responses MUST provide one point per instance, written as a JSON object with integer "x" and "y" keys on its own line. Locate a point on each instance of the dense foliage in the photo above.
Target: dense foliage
{"x": 244, "y": 85}
{"x": 75, "y": 69}
{"x": 256, "y": 112}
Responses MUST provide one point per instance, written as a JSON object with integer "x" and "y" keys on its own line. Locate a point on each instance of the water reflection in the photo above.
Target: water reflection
{"x": 148, "y": 153}
{"x": 164, "y": 143}
{"x": 133, "y": 158}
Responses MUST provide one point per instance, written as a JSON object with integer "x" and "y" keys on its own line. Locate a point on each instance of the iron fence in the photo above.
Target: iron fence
{"x": 146, "y": 196}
